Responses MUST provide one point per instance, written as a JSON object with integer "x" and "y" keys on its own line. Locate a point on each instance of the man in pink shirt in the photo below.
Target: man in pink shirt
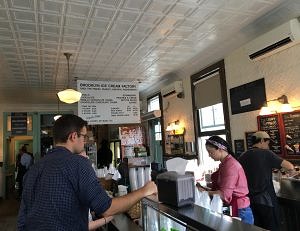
{"x": 229, "y": 181}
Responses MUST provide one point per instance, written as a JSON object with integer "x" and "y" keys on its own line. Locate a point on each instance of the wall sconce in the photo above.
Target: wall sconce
{"x": 283, "y": 107}
{"x": 175, "y": 128}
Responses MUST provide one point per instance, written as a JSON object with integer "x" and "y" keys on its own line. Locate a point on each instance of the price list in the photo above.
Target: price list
{"x": 109, "y": 102}
{"x": 270, "y": 124}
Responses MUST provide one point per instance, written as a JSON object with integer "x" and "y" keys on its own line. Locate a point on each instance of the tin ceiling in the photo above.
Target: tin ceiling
{"x": 121, "y": 40}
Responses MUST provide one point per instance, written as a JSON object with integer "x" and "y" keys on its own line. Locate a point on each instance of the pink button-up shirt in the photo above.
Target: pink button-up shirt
{"x": 230, "y": 179}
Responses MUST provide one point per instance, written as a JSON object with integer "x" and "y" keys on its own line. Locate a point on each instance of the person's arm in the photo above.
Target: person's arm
{"x": 21, "y": 218}
{"x": 211, "y": 193}
{"x": 287, "y": 165}
{"x": 124, "y": 203}
{"x": 99, "y": 222}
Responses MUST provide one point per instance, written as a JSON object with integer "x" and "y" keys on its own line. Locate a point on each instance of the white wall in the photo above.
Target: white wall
{"x": 180, "y": 109}
{"x": 282, "y": 76}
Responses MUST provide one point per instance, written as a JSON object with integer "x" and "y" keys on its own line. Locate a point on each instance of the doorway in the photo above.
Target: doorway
{"x": 155, "y": 136}
{"x": 14, "y": 144}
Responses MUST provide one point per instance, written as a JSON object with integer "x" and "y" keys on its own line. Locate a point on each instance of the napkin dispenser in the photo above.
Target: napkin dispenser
{"x": 175, "y": 189}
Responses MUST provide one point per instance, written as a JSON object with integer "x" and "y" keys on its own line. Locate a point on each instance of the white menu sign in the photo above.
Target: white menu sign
{"x": 104, "y": 102}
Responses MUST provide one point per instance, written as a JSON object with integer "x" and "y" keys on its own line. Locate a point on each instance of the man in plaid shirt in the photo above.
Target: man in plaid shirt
{"x": 61, "y": 187}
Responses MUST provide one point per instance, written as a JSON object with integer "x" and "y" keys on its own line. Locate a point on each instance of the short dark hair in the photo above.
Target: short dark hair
{"x": 65, "y": 125}
{"x": 23, "y": 148}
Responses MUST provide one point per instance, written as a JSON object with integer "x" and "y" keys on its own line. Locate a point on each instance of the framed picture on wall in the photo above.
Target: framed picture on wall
{"x": 242, "y": 98}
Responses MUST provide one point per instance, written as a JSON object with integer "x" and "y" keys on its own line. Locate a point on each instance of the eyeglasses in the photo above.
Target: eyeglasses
{"x": 85, "y": 136}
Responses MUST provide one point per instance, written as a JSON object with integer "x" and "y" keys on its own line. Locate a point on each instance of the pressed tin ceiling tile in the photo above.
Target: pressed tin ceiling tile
{"x": 126, "y": 40}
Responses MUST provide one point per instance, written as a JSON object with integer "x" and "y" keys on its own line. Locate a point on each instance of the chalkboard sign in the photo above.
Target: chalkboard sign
{"x": 291, "y": 123}
{"x": 270, "y": 124}
{"x": 239, "y": 147}
{"x": 248, "y": 136}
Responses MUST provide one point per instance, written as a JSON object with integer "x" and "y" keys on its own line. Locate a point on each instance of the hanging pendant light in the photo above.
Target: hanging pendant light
{"x": 69, "y": 95}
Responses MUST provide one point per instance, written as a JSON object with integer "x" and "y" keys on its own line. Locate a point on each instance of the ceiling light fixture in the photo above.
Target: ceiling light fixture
{"x": 69, "y": 95}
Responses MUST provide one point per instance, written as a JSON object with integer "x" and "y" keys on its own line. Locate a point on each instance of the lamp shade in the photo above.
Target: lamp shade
{"x": 286, "y": 107}
{"x": 69, "y": 96}
{"x": 265, "y": 110}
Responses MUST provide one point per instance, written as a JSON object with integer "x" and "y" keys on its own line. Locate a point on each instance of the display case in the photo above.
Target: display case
{"x": 175, "y": 144}
{"x": 162, "y": 217}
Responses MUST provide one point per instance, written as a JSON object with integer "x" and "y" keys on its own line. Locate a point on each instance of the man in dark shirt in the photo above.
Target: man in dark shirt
{"x": 104, "y": 155}
{"x": 258, "y": 163}
{"x": 61, "y": 188}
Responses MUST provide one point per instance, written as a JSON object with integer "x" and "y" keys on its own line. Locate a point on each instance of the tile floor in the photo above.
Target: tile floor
{"x": 8, "y": 213}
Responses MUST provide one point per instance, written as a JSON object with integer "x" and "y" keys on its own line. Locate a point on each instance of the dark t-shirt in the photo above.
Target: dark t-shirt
{"x": 258, "y": 164}
{"x": 58, "y": 192}
{"x": 104, "y": 157}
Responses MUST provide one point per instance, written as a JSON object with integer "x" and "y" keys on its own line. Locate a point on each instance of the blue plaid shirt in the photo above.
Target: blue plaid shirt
{"x": 58, "y": 192}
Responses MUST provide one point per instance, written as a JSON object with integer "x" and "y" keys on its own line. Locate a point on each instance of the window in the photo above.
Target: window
{"x": 157, "y": 131}
{"x": 153, "y": 103}
{"x": 211, "y": 118}
{"x": 154, "y": 129}
{"x": 209, "y": 102}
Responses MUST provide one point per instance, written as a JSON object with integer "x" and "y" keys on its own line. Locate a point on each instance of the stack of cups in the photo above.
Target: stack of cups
{"x": 133, "y": 179}
{"x": 141, "y": 177}
{"x": 147, "y": 174}
{"x": 122, "y": 190}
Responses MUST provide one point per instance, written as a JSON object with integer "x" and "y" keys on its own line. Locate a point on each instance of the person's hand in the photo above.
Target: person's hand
{"x": 150, "y": 188}
{"x": 83, "y": 153}
{"x": 108, "y": 219}
{"x": 201, "y": 189}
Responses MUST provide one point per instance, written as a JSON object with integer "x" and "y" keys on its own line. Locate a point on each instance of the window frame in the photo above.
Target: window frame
{"x": 220, "y": 68}
{"x": 155, "y": 97}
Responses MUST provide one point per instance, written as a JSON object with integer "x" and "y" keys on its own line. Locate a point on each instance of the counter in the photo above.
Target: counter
{"x": 289, "y": 204}
{"x": 192, "y": 217}
{"x": 123, "y": 223}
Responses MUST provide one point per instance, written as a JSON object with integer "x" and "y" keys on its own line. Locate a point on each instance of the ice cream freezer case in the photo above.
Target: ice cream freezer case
{"x": 162, "y": 217}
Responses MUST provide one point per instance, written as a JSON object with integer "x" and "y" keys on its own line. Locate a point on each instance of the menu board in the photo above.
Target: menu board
{"x": 248, "y": 136}
{"x": 291, "y": 123}
{"x": 239, "y": 147}
{"x": 107, "y": 102}
{"x": 270, "y": 124}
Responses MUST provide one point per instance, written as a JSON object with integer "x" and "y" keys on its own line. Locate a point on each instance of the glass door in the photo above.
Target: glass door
{"x": 115, "y": 147}
{"x": 155, "y": 135}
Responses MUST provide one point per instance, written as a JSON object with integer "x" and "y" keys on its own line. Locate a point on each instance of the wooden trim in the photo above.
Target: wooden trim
{"x": 217, "y": 67}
